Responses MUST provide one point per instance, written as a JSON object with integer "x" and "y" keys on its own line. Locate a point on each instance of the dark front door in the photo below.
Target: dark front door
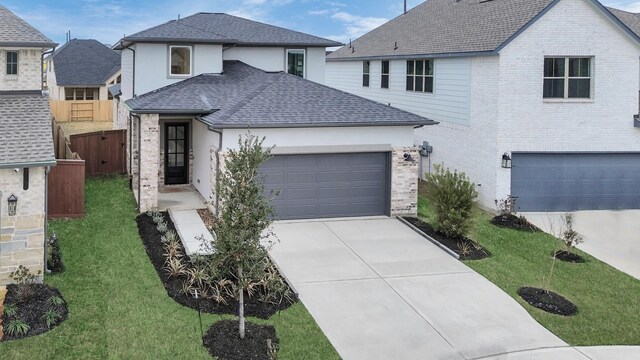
{"x": 176, "y": 150}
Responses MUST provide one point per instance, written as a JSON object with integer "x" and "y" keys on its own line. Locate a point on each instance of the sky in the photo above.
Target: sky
{"x": 108, "y": 20}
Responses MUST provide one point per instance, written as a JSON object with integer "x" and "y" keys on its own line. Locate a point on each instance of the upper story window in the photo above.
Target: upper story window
{"x": 80, "y": 93}
{"x": 180, "y": 57}
{"x": 384, "y": 80}
{"x": 366, "y": 69}
{"x": 567, "y": 78}
{"x": 295, "y": 62}
{"x": 12, "y": 62}
{"x": 420, "y": 75}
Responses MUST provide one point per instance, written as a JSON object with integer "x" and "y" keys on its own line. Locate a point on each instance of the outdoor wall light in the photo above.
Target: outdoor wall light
{"x": 506, "y": 161}
{"x": 13, "y": 204}
{"x": 408, "y": 157}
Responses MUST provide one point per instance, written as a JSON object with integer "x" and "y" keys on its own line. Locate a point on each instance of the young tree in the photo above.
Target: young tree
{"x": 242, "y": 241}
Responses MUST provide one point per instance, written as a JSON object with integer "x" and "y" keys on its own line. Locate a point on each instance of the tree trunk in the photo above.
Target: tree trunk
{"x": 241, "y": 305}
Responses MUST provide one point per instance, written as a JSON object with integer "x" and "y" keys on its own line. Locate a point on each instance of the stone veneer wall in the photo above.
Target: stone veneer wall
{"x": 150, "y": 161}
{"x": 22, "y": 236}
{"x": 404, "y": 182}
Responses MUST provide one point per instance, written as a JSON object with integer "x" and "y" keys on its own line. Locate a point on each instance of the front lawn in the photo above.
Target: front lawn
{"x": 117, "y": 305}
{"x": 607, "y": 299}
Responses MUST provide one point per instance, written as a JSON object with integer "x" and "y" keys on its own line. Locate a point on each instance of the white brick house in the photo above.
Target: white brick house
{"x": 191, "y": 87}
{"x": 26, "y": 146}
{"x": 575, "y": 148}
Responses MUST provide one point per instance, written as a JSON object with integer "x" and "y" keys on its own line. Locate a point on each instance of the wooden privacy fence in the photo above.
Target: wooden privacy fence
{"x": 82, "y": 110}
{"x": 104, "y": 152}
{"x": 66, "y": 189}
{"x": 61, "y": 143}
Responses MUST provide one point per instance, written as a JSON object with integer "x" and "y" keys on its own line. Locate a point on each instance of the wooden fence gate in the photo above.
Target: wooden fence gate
{"x": 104, "y": 152}
{"x": 66, "y": 189}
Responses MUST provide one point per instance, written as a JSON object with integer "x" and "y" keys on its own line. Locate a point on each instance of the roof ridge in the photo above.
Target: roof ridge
{"x": 242, "y": 103}
{"x": 179, "y": 22}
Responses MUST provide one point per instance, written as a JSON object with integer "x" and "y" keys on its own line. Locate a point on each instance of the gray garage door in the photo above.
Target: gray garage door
{"x": 328, "y": 185}
{"x": 576, "y": 181}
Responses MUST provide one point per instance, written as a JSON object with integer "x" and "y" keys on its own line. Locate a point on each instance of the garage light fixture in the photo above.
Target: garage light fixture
{"x": 13, "y": 204}
{"x": 506, "y": 161}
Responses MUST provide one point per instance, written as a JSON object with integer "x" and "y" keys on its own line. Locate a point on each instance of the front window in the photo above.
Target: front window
{"x": 366, "y": 68}
{"x": 180, "y": 57}
{"x": 295, "y": 62}
{"x": 80, "y": 93}
{"x": 420, "y": 76}
{"x": 567, "y": 78}
{"x": 385, "y": 75}
{"x": 12, "y": 62}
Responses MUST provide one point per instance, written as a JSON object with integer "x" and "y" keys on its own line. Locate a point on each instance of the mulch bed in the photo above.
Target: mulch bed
{"x": 31, "y": 311}
{"x": 208, "y": 218}
{"x": 224, "y": 343}
{"x": 569, "y": 257}
{"x": 514, "y": 222}
{"x": 151, "y": 239}
{"x": 473, "y": 252}
{"x": 548, "y": 301}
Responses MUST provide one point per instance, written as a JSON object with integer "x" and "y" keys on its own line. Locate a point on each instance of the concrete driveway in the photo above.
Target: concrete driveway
{"x": 378, "y": 290}
{"x": 611, "y": 236}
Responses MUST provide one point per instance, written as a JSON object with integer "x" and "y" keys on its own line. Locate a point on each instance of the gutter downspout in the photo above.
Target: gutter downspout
{"x": 46, "y": 217}
{"x": 130, "y": 152}
{"x": 44, "y": 53}
{"x": 139, "y": 157}
{"x": 219, "y": 132}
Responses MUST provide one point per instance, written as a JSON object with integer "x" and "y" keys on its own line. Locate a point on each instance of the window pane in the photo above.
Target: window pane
{"x": 79, "y": 93}
{"x": 429, "y": 67}
{"x": 180, "y": 146}
{"x": 579, "y": 88}
{"x": 12, "y": 62}
{"x": 419, "y": 67}
{"x": 180, "y": 61}
{"x": 410, "y": 67}
{"x": 365, "y": 67}
{"x": 419, "y": 83}
{"x": 172, "y": 132}
{"x": 172, "y": 146}
{"x": 553, "y": 88}
{"x": 410, "y": 83}
{"x": 554, "y": 67}
{"x": 171, "y": 160}
{"x": 428, "y": 84}
{"x": 585, "y": 67}
{"x": 180, "y": 160}
{"x": 385, "y": 81}
{"x": 365, "y": 80}
{"x": 89, "y": 94}
{"x": 295, "y": 62}
{"x": 385, "y": 67}
{"x": 68, "y": 93}
{"x": 180, "y": 133}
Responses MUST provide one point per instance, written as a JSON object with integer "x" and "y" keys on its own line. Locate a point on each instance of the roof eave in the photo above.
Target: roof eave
{"x": 32, "y": 164}
{"x": 319, "y": 125}
{"x": 128, "y": 41}
{"x": 26, "y": 44}
{"x": 289, "y": 44}
{"x": 190, "y": 112}
{"x": 414, "y": 56}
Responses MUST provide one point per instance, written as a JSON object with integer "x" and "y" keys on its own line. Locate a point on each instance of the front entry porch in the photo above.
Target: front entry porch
{"x": 182, "y": 197}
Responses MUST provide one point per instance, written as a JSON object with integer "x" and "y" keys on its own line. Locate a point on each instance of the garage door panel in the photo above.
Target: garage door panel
{"x": 576, "y": 181}
{"x": 328, "y": 185}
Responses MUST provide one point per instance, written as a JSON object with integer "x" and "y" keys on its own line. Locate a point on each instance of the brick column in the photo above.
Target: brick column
{"x": 149, "y": 161}
{"x": 213, "y": 180}
{"x": 404, "y": 181}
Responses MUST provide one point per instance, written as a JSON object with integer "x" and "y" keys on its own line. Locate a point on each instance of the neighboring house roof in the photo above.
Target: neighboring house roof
{"x": 217, "y": 28}
{"x": 25, "y": 130}
{"x": 453, "y": 27}
{"x": 15, "y": 32}
{"x": 631, "y": 20}
{"x": 84, "y": 63}
{"x": 116, "y": 90}
{"x": 245, "y": 96}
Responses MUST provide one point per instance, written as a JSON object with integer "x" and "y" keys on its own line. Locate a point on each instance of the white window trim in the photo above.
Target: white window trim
{"x": 383, "y": 73}
{"x": 304, "y": 65}
{"x": 191, "y": 58}
{"x": 366, "y": 73}
{"x": 6, "y": 59}
{"x": 566, "y": 77}
{"x": 433, "y": 62}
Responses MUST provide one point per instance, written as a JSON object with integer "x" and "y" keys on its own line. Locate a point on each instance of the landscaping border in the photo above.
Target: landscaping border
{"x": 434, "y": 241}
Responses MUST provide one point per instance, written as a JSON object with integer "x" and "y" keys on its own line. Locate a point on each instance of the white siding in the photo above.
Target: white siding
{"x": 315, "y": 66}
{"x": 394, "y": 136}
{"x": 126, "y": 59}
{"x": 529, "y": 123}
{"x": 203, "y": 140}
{"x": 449, "y": 101}
{"x": 265, "y": 58}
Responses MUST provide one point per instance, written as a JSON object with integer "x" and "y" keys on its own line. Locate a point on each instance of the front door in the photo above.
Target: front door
{"x": 176, "y": 150}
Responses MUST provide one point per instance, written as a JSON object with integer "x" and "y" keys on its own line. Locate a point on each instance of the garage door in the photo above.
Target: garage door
{"x": 576, "y": 181}
{"x": 328, "y": 185}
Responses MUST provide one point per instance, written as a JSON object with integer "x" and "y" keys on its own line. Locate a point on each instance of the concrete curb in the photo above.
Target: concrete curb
{"x": 434, "y": 241}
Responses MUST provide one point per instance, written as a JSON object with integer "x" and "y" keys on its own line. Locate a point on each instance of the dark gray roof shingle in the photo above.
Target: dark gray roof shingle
{"x": 25, "y": 130}
{"x": 631, "y": 20}
{"x": 115, "y": 90}
{"x": 248, "y": 97}
{"x": 225, "y": 29}
{"x": 84, "y": 63}
{"x": 16, "y": 32}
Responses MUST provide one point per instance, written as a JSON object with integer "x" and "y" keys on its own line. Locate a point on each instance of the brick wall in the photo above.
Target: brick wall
{"x": 404, "y": 182}
{"x": 22, "y": 236}
{"x": 29, "y": 71}
{"x": 150, "y": 160}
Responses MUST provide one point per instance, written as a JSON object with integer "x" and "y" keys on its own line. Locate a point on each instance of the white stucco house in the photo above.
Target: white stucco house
{"x": 547, "y": 87}
{"x": 191, "y": 87}
{"x": 26, "y": 146}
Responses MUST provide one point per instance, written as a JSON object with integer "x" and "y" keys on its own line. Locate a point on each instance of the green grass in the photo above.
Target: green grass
{"x": 607, "y": 299}
{"x": 118, "y": 308}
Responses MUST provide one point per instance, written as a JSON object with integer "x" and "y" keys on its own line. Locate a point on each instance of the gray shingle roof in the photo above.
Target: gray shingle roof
{"x": 248, "y": 97}
{"x": 631, "y": 20}
{"x": 16, "y": 32}
{"x": 25, "y": 130}
{"x": 225, "y": 29}
{"x": 84, "y": 62}
{"x": 115, "y": 90}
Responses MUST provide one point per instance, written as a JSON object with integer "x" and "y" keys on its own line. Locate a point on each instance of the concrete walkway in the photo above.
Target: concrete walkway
{"x": 380, "y": 291}
{"x": 191, "y": 228}
{"x": 611, "y": 236}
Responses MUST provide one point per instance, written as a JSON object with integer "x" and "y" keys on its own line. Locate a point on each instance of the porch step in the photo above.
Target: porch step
{"x": 191, "y": 228}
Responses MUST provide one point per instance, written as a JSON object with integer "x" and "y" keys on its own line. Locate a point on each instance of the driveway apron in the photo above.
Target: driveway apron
{"x": 378, "y": 290}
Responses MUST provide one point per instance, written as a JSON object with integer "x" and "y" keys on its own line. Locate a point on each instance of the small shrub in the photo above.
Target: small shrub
{"x": 56, "y": 300}
{"x": 16, "y": 328}
{"x": 25, "y": 282}
{"x": 10, "y": 310}
{"x": 162, "y": 227}
{"x": 54, "y": 255}
{"x": 464, "y": 248}
{"x": 569, "y": 237}
{"x": 506, "y": 206}
{"x": 156, "y": 216}
{"x": 187, "y": 287}
{"x": 172, "y": 250}
{"x": 174, "y": 267}
{"x": 169, "y": 236}
{"x": 51, "y": 317}
{"x": 199, "y": 278}
{"x": 274, "y": 289}
{"x": 272, "y": 350}
{"x": 452, "y": 195}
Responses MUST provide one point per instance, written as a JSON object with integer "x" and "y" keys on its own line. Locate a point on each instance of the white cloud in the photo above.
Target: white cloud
{"x": 633, "y": 7}
{"x": 357, "y": 26}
